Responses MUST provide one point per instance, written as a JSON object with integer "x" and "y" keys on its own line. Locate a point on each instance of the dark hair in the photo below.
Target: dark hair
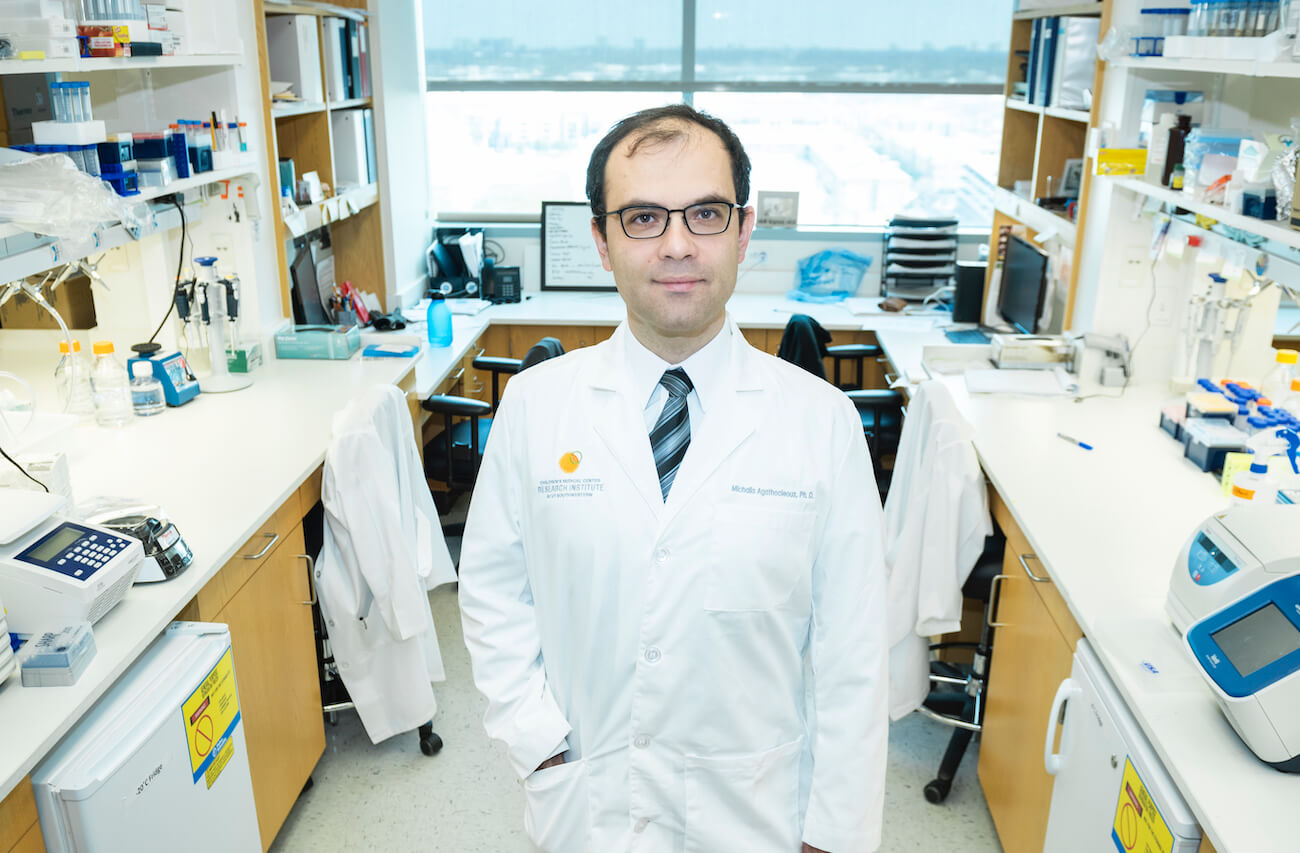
{"x": 650, "y": 123}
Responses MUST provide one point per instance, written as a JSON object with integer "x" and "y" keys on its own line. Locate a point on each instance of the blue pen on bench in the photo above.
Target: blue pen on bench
{"x": 1073, "y": 440}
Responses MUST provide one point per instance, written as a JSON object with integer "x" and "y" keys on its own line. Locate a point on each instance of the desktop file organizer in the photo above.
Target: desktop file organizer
{"x": 920, "y": 257}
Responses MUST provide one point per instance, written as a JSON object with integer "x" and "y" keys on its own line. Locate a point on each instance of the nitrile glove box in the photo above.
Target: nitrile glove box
{"x": 332, "y": 342}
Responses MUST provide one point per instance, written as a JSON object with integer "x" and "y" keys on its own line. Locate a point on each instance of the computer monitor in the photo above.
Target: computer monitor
{"x": 1024, "y": 285}
{"x": 307, "y": 307}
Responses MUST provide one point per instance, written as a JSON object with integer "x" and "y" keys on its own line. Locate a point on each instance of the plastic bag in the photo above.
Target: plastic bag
{"x": 48, "y": 194}
{"x": 831, "y": 275}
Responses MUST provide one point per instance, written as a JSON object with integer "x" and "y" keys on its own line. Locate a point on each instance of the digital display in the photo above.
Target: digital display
{"x": 1215, "y": 554}
{"x": 54, "y": 544}
{"x": 1253, "y": 642}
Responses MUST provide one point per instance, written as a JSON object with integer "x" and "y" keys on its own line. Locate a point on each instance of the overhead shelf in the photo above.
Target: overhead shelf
{"x": 1055, "y": 112}
{"x": 87, "y": 65}
{"x": 280, "y": 109}
{"x": 1025, "y": 211}
{"x": 1240, "y": 67}
{"x": 351, "y": 102}
{"x": 348, "y": 203}
{"x": 50, "y": 254}
{"x": 1093, "y": 8}
{"x": 1270, "y": 230}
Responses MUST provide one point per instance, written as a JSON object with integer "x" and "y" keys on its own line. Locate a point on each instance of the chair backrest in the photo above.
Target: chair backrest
{"x": 542, "y": 350}
{"x": 804, "y": 343}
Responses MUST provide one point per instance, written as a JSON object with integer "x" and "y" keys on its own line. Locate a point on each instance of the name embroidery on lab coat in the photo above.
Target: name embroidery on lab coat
{"x": 762, "y": 492}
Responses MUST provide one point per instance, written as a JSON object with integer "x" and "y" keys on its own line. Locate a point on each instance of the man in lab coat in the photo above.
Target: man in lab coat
{"x": 673, "y": 588}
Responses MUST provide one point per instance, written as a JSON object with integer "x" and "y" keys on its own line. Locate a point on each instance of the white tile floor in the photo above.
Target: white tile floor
{"x": 391, "y": 797}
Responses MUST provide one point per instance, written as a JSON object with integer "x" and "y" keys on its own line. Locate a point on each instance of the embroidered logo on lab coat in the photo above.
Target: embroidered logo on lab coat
{"x": 570, "y": 461}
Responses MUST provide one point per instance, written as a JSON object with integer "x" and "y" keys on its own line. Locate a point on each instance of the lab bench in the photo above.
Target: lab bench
{"x": 1092, "y": 537}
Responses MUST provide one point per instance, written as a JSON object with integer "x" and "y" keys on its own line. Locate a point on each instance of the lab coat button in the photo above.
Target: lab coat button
{"x": 641, "y": 742}
{"x": 641, "y": 825}
{"x": 652, "y": 655}
{"x": 661, "y": 556}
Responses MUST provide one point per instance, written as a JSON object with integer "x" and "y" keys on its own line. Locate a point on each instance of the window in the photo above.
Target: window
{"x": 865, "y": 108}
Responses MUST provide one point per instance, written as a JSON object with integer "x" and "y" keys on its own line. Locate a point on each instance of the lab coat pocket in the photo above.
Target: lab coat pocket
{"x": 758, "y": 557}
{"x": 556, "y": 808}
{"x": 744, "y": 804}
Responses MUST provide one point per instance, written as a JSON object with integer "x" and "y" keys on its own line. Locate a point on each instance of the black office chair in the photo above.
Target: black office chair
{"x": 956, "y": 695}
{"x": 804, "y": 343}
{"x": 453, "y": 457}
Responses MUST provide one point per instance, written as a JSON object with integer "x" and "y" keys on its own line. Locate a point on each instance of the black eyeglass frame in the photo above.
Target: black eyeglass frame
{"x": 668, "y": 215}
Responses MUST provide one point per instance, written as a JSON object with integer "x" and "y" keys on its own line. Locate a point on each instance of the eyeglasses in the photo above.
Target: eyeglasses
{"x": 645, "y": 222}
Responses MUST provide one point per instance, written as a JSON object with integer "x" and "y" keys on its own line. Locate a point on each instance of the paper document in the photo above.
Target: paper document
{"x": 990, "y": 380}
{"x": 860, "y": 305}
{"x": 467, "y": 306}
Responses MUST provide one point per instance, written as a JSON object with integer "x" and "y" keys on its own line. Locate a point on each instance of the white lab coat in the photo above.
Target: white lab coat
{"x": 714, "y": 665}
{"x": 383, "y": 551}
{"x": 936, "y": 518}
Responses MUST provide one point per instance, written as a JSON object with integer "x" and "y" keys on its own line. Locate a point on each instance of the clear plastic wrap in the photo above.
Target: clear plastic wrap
{"x": 1284, "y": 172}
{"x": 49, "y": 195}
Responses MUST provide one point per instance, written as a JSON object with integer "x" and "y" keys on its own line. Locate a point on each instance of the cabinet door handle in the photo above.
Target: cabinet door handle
{"x": 1033, "y": 577}
{"x": 1054, "y": 762}
{"x": 994, "y": 600}
{"x": 274, "y": 537}
{"x": 311, "y": 580}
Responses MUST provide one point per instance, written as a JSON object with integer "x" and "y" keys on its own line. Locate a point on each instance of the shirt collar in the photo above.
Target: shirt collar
{"x": 705, "y": 367}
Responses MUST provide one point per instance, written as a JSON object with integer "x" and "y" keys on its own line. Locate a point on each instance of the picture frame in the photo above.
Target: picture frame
{"x": 1071, "y": 178}
{"x": 777, "y": 209}
{"x": 569, "y": 258}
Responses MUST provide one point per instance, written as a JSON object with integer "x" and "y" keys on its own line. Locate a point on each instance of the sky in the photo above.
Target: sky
{"x": 834, "y": 24}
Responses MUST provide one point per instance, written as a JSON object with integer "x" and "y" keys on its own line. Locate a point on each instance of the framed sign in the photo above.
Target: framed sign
{"x": 569, "y": 257}
{"x": 778, "y": 209}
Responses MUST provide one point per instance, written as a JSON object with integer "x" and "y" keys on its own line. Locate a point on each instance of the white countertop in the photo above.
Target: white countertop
{"x": 1108, "y": 526}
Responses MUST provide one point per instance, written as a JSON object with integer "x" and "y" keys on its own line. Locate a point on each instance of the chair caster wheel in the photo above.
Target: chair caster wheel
{"x": 431, "y": 744}
{"x": 936, "y": 791}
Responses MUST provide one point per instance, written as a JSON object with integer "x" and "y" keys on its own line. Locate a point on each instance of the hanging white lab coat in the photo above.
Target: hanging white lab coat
{"x": 936, "y": 518}
{"x": 714, "y": 665}
{"x": 383, "y": 551}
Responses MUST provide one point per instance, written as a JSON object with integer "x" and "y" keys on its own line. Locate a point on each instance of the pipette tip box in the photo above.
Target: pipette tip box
{"x": 57, "y": 658}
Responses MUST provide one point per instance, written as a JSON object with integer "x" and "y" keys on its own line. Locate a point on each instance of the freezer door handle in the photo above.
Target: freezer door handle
{"x": 1054, "y": 762}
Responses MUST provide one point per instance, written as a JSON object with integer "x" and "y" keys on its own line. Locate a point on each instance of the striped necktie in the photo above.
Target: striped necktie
{"x": 672, "y": 432}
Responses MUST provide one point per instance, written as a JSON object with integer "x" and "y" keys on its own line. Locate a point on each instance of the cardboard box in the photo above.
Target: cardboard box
{"x": 73, "y": 300}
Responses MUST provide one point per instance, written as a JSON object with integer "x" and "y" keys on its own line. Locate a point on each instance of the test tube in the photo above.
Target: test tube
{"x": 90, "y": 153}
{"x": 83, "y": 93}
{"x": 72, "y": 95}
{"x": 56, "y": 102}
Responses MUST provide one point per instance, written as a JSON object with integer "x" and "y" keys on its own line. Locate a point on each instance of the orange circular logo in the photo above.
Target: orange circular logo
{"x": 570, "y": 461}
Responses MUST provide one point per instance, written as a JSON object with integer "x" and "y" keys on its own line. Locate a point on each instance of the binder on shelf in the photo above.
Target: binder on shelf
{"x": 1046, "y": 60}
{"x": 350, "y": 146}
{"x": 363, "y": 57}
{"x": 293, "y": 54}
{"x": 372, "y": 167}
{"x": 335, "y": 76}
{"x": 354, "y": 59}
{"x": 344, "y": 58}
{"x": 920, "y": 257}
{"x": 1076, "y": 62}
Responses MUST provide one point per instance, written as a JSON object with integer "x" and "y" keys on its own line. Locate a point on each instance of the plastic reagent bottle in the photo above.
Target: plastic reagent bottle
{"x": 146, "y": 391}
{"x": 72, "y": 379}
{"x": 439, "y": 321}
{"x": 111, "y": 387}
{"x": 1255, "y": 485}
{"x": 1277, "y": 384}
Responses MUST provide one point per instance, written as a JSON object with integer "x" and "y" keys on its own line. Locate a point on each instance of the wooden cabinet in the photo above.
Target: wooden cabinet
{"x": 1033, "y": 649}
{"x": 264, "y": 595}
{"x": 19, "y": 830}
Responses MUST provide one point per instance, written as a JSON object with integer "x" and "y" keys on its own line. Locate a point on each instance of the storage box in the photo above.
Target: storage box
{"x": 245, "y": 359}
{"x": 68, "y": 132}
{"x": 104, "y": 40}
{"x": 331, "y": 342}
{"x": 73, "y": 301}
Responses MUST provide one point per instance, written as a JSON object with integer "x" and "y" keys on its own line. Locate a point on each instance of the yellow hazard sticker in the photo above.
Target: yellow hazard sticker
{"x": 1139, "y": 828}
{"x": 211, "y": 714}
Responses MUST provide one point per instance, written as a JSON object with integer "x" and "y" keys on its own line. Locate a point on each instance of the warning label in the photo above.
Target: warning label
{"x": 1138, "y": 824}
{"x": 211, "y": 713}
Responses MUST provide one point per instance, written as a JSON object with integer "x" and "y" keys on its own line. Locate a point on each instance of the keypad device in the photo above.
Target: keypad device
{"x": 73, "y": 550}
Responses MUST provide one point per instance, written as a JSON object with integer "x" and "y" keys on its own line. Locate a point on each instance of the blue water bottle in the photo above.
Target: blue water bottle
{"x": 439, "y": 321}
